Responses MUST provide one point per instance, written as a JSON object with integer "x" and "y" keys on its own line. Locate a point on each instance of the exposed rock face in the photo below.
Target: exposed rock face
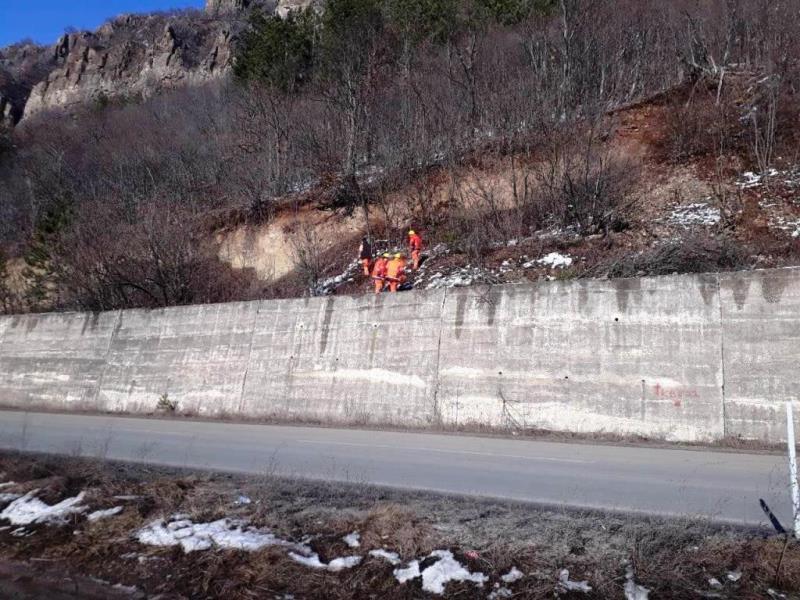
{"x": 284, "y": 7}
{"x": 216, "y": 7}
{"x": 130, "y": 57}
{"x": 133, "y": 57}
{"x": 21, "y": 67}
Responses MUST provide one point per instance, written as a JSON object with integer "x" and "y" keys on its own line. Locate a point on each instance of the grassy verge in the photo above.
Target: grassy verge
{"x": 671, "y": 558}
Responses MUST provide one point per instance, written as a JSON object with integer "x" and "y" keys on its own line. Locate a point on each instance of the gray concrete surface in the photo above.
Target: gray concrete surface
{"x": 680, "y": 358}
{"x": 54, "y": 359}
{"x": 761, "y": 352}
{"x": 634, "y": 355}
{"x": 714, "y": 485}
{"x": 343, "y": 359}
{"x": 196, "y": 355}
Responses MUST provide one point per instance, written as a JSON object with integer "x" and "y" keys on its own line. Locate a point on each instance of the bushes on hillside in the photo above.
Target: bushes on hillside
{"x": 373, "y": 91}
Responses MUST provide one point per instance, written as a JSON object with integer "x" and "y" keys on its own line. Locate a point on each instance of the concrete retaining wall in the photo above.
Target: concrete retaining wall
{"x": 684, "y": 358}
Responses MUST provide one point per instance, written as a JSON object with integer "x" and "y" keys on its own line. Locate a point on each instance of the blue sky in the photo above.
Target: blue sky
{"x": 45, "y": 20}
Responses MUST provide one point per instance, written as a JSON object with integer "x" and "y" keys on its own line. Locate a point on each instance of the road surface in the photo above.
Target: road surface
{"x": 722, "y": 486}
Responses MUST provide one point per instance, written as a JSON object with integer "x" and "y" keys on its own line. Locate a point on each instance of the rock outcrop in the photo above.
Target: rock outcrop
{"x": 21, "y": 67}
{"x": 129, "y": 58}
{"x": 133, "y": 57}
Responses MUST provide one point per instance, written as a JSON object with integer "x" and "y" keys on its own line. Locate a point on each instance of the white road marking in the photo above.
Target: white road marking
{"x": 443, "y": 451}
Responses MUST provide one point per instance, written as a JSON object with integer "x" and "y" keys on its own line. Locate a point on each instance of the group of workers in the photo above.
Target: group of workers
{"x": 387, "y": 270}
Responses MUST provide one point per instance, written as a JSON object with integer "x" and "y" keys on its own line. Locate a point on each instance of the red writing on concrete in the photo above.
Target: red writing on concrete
{"x": 676, "y": 394}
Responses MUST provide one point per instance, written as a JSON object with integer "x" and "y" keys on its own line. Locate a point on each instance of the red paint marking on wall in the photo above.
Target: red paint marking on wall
{"x": 676, "y": 394}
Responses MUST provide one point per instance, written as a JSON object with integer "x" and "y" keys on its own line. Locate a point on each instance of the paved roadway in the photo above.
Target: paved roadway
{"x": 723, "y": 486}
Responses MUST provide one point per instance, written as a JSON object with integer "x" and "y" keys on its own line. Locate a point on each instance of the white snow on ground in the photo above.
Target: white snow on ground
{"x": 224, "y": 533}
{"x": 554, "y": 260}
{"x": 567, "y": 585}
{"x": 780, "y": 222}
{"x": 734, "y": 576}
{"x": 690, "y": 215}
{"x": 327, "y": 286}
{"x": 440, "y": 573}
{"x": 513, "y": 575}
{"x": 461, "y": 277}
{"x": 8, "y": 497}
{"x": 352, "y": 539}
{"x": 336, "y": 565}
{"x": 391, "y": 557}
{"x": 750, "y": 180}
{"x": 499, "y": 593}
{"x": 447, "y": 569}
{"x": 633, "y": 591}
{"x": 408, "y": 573}
{"x": 7, "y": 484}
{"x": 103, "y": 514}
{"x": 28, "y": 509}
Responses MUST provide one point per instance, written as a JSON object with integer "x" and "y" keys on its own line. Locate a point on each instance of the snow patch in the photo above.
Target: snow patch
{"x": 103, "y": 514}
{"x": 750, "y": 180}
{"x": 554, "y": 260}
{"x": 440, "y": 573}
{"x": 690, "y": 215}
{"x": 336, "y": 565}
{"x": 633, "y": 591}
{"x": 565, "y": 584}
{"x": 513, "y": 575}
{"x": 499, "y": 593}
{"x": 8, "y": 497}
{"x": 224, "y": 533}
{"x": 352, "y": 539}
{"x": 408, "y": 573}
{"x": 391, "y": 557}
{"x": 436, "y": 577}
{"x": 29, "y": 509}
{"x": 329, "y": 285}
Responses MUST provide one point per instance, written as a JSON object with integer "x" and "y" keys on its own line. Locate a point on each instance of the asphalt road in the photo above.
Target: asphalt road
{"x": 722, "y": 486}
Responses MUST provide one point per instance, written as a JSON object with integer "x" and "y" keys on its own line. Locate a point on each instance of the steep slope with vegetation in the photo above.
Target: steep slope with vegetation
{"x": 525, "y": 138}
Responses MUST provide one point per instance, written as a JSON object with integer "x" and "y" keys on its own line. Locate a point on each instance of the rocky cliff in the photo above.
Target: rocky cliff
{"x": 132, "y": 57}
{"x": 128, "y": 58}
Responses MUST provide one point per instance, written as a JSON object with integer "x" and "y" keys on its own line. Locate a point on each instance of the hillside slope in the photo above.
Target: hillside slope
{"x": 525, "y": 140}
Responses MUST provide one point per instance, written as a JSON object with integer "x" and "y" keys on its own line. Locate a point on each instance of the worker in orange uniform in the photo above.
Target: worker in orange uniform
{"x": 365, "y": 255}
{"x": 379, "y": 273}
{"x": 396, "y": 272}
{"x": 415, "y": 246}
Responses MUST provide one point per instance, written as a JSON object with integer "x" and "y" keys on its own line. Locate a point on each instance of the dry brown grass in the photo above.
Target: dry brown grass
{"x": 674, "y": 559}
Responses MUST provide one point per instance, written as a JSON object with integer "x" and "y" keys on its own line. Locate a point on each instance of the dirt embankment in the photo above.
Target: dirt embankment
{"x": 682, "y": 208}
{"x": 173, "y": 534}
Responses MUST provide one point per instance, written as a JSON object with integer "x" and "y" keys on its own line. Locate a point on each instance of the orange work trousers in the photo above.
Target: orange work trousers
{"x": 379, "y": 284}
{"x": 365, "y": 262}
{"x": 415, "y": 256}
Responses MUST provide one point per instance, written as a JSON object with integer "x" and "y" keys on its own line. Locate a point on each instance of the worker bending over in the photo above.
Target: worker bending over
{"x": 415, "y": 247}
{"x": 396, "y": 272}
{"x": 365, "y": 255}
{"x": 379, "y": 273}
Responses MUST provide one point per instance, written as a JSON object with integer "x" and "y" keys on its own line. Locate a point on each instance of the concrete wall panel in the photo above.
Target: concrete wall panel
{"x": 340, "y": 359}
{"x": 54, "y": 360}
{"x": 197, "y": 355}
{"x": 638, "y": 356}
{"x": 641, "y": 356}
{"x": 761, "y": 326}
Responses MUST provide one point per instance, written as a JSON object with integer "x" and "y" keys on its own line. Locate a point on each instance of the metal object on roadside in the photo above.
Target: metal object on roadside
{"x": 793, "y": 484}
{"x": 771, "y": 516}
